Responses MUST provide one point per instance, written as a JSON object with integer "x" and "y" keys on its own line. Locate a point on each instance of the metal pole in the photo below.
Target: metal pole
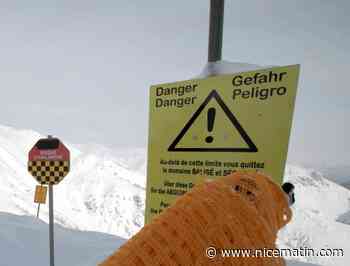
{"x": 51, "y": 232}
{"x": 37, "y": 214}
{"x": 216, "y": 23}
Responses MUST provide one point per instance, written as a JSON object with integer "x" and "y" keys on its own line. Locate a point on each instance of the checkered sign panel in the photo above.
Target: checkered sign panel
{"x": 49, "y": 161}
{"x": 48, "y": 172}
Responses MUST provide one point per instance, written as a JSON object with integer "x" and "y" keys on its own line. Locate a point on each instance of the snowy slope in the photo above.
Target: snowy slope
{"x": 24, "y": 241}
{"x": 100, "y": 193}
{"x": 319, "y": 203}
{"x": 133, "y": 159}
{"x": 317, "y": 192}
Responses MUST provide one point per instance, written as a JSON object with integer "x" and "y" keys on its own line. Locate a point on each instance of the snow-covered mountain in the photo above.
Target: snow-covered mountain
{"x": 100, "y": 193}
{"x": 105, "y": 192}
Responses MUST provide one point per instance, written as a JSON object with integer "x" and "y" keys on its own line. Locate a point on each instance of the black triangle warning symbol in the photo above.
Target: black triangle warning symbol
{"x": 251, "y": 147}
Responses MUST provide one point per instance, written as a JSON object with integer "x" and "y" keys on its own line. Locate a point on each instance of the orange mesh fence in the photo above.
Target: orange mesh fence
{"x": 243, "y": 210}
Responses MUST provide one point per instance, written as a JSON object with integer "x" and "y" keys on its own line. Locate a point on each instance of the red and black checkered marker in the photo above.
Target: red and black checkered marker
{"x": 49, "y": 161}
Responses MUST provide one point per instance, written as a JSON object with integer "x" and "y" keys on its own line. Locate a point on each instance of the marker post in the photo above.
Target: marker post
{"x": 51, "y": 224}
{"x": 38, "y": 211}
{"x": 48, "y": 163}
{"x": 216, "y": 24}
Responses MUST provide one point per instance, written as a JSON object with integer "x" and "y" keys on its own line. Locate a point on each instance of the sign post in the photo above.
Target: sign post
{"x": 51, "y": 223}
{"x": 216, "y": 24}
{"x": 38, "y": 211}
{"x": 49, "y": 163}
{"x": 214, "y": 126}
{"x": 40, "y": 196}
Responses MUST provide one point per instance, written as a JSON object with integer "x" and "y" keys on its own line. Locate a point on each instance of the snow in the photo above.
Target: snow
{"x": 24, "y": 241}
{"x": 319, "y": 203}
{"x": 225, "y": 67}
{"x": 105, "y": 192}
{"x": 317, "y": 191}
{"x": 100, "y": 193}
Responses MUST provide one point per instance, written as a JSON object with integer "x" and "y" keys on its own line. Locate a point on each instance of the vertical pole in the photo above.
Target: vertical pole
{"x": 37, "y": 213}
{"x": 216, "y": 23}
{"x": 51, "y": 232}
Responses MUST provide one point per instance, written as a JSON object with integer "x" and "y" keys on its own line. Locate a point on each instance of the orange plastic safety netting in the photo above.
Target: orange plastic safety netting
{"x": 240, "y": 211}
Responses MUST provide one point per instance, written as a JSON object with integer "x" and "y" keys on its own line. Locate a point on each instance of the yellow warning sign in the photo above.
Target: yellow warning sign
{"x": 234, "y": 139}
{"x": 40, "y": 194}
{"x": 207, "y": 128}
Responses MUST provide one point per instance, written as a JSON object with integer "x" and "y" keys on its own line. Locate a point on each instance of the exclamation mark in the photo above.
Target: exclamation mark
{"x": 211, "y": 119}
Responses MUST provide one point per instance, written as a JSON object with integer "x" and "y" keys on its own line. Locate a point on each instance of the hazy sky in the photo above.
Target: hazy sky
{"x": 81, "y": 70}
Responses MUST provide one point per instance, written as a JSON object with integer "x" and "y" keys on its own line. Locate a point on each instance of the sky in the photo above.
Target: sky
{"x": 81, "y": 70}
